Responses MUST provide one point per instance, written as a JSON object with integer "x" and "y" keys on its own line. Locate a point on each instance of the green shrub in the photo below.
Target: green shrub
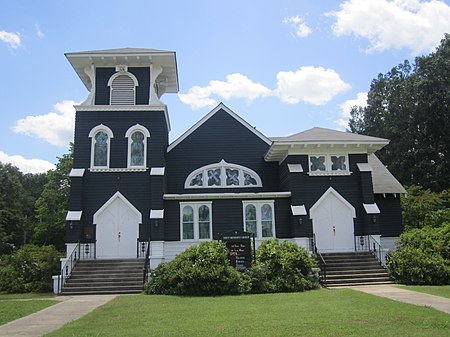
{"x": 201, "y": 270}
{"x": 282, "y": 266}
{"x": 29, "y": 269}
{"x": 422, "y": 256}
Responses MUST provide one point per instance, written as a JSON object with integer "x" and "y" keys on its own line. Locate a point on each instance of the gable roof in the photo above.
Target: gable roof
{"x": 383, "y": 181}
{"x": 315, "y": 138}
{"x": 219, "y": 107}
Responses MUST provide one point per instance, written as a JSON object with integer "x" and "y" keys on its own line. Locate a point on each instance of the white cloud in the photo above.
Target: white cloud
{"x": 27, "y": 165}
{"x": 39, "y": 32}
{"x": 413, "y": 24}
{"x": 55, "y": 128}
{"x": 11, "y": 39}
{"x": 235, "y": 86}
{"x": 312, "y": 85}
{"x": 301, "y": 29}
{"x": 346, "y": 107}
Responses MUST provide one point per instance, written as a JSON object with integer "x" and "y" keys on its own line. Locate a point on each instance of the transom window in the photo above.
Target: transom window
{"x": 224, "y": 175}
{"x": 259, "y": 218}
{"x": 123, "y": 88}
{"x": 195, "y": 221}
{"x": 137, "y": 146}
{"x": 100, "y": 146}
{"x": 335, "y": 164}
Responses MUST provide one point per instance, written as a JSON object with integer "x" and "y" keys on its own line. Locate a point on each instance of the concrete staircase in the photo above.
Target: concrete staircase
{"x": 105, "y": 277}
{"x": 354, "y": 269}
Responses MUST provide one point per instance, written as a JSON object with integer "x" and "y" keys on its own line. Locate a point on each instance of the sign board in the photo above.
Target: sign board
{"x": 239, "y": 249}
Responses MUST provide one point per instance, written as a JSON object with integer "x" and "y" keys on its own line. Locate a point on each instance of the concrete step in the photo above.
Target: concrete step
{"x": 354, "y": 284}
{"x": 381, "y": 274}
{"x": 365, "y": 280}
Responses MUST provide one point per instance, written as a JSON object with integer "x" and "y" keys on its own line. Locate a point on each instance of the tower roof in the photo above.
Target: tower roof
{"x": 131, "y": 57}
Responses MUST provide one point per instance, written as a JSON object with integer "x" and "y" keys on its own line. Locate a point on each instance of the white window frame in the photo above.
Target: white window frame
{"x": 92, "y": 133}
{"x": 128, "y": 135}
{"x": 122, "y": 73}
{"x": 258, "y": 205}
{"x": 195, "y": 206}
{"x": 223, "y": 166}
{"x": 328, "y": 165}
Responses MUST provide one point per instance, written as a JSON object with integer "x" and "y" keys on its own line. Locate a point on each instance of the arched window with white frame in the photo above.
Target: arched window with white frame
{"x": 123, "y": 88}
{"x": 137, "y": 146}
{"x": 101, "y": 137}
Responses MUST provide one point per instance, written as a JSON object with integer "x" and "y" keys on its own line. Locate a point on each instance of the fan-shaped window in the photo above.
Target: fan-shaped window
{"x": 100, "y": 146}
{"x": 122, "y": 88}
{"x": 137, "y": 146}
{"x": 223, "y": 175}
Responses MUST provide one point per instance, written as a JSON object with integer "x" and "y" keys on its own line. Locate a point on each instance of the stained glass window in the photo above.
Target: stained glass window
{"x": 232, "y": 177}
{"x": 197, "y": 180}
{"x": 249, "y": 180}
{"x": 137, "y": 149}
{"x": 203, "y": 222}
{"x": 338, "y": 163}
{"x": 317, "y": 163}
{"x": 266, "y": 221}
{"x": 188, "y": 223}
{"x": 214, "y": 177}
{"x": 101, "y": 149}
{"x": 250, "y": 219}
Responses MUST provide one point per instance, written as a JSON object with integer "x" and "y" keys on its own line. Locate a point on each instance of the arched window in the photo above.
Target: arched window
{"x": 259, "y": 218}
{"x": 100, "y": 146}
{"x": 196, "y": 221}
{"x": 223, "y": 175}
{"x": 137, "y": 146}
{"x": 123, "y": 88}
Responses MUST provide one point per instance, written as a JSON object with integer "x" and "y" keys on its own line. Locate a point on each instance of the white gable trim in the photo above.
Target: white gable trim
{"x": 109, "y": 202}
{"x": 221, "y": 106}
{"x": 337, "y": 195}
{"x": 74, "y": 215}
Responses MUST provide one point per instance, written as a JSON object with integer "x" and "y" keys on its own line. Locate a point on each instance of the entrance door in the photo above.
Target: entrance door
{"x": 332, "y": 218}
{"x": 117, "y": 227}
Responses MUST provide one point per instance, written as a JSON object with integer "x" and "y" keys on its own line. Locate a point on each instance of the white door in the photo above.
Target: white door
{"x": 332, "y": 218}
{"x": 117, "y": 227}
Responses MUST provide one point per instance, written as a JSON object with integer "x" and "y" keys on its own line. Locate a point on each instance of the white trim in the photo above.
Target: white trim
{"x": 337, "y": 195}
{"x": 128, "y": 134}
{"x": 111, "y": 89}
{"x": 120, "y": 73}
{"x": 364, "y": 167}
{"x": 298, "y": 210}
{"x": 195, "y": 206}
{"x": 157, "y": 171}
{"x": 328, "y": 165}
{"x": 209, "y": 196}
{"x": 258, "y": 205}
{"x": 223, "y": 165}
{"x": 371, "y": 208}
{"x": 118, "y": 169}
{"x": 223, "y": 107}
{"x": 92, "y": 133}
{"x": 77, "y": 172}
{"x": 156, "y": 214}
{"x": 101, "y": 127}
{"x": 125, "y": 200}
{"x": 73, "y": 215}
{"x": 295, "y": 168}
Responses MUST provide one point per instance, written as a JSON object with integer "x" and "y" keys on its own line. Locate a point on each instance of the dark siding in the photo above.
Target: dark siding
{"x": 390, "y": 217}
{"x": 102, "y": 91}
{"x": 221, "y": 137}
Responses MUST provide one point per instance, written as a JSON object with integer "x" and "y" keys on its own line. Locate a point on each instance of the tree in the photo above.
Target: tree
{"x": 52, "y": 205}
{"x": 410, "y": 105}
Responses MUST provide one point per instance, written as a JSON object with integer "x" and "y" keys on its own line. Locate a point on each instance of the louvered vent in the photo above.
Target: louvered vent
{"x": 122, "y": 91}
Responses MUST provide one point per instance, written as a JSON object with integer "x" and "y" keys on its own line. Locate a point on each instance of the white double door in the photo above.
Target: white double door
{"x": 333, "y": 226}
{"x": 117, "y": 229}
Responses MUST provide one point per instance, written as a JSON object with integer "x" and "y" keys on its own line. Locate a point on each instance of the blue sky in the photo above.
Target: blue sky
{"x": 284, "y": 66}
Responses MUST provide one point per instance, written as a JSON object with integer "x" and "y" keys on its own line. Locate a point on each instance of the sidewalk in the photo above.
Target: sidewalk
{"x": 54, "y": 317}
{"x": 407, "y": 296}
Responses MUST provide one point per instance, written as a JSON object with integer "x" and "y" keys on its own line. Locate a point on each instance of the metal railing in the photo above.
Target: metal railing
{"x": 69, "y": 264}
{"x": 367, "y": 243}
{"x": 146, "y": 263}
{"x": 321, "y": 261}
{"x": 141, "y": 247}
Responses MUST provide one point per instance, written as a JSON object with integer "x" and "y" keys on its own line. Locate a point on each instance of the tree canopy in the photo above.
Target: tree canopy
{"x": 410, "y": 105}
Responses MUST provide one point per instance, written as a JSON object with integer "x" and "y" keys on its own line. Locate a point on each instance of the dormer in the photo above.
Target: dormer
{"x": 127, "y": 76}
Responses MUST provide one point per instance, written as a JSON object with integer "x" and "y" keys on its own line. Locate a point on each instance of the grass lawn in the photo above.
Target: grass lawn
{"x": 443, "y": 291}
{"x": 334, "y": 313}
{"x": 14, "y": 306}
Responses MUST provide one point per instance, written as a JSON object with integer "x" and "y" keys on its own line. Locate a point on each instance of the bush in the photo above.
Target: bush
{"x": 29, "y": 269}
{"x": 282, "y": 267}
{"x": 201, "y": 270}
{"x": 422, "y": 256}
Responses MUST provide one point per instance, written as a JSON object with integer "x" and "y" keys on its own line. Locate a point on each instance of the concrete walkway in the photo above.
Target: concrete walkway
{"x": 54, "y": 317}
{"x": 407, "y": 296}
